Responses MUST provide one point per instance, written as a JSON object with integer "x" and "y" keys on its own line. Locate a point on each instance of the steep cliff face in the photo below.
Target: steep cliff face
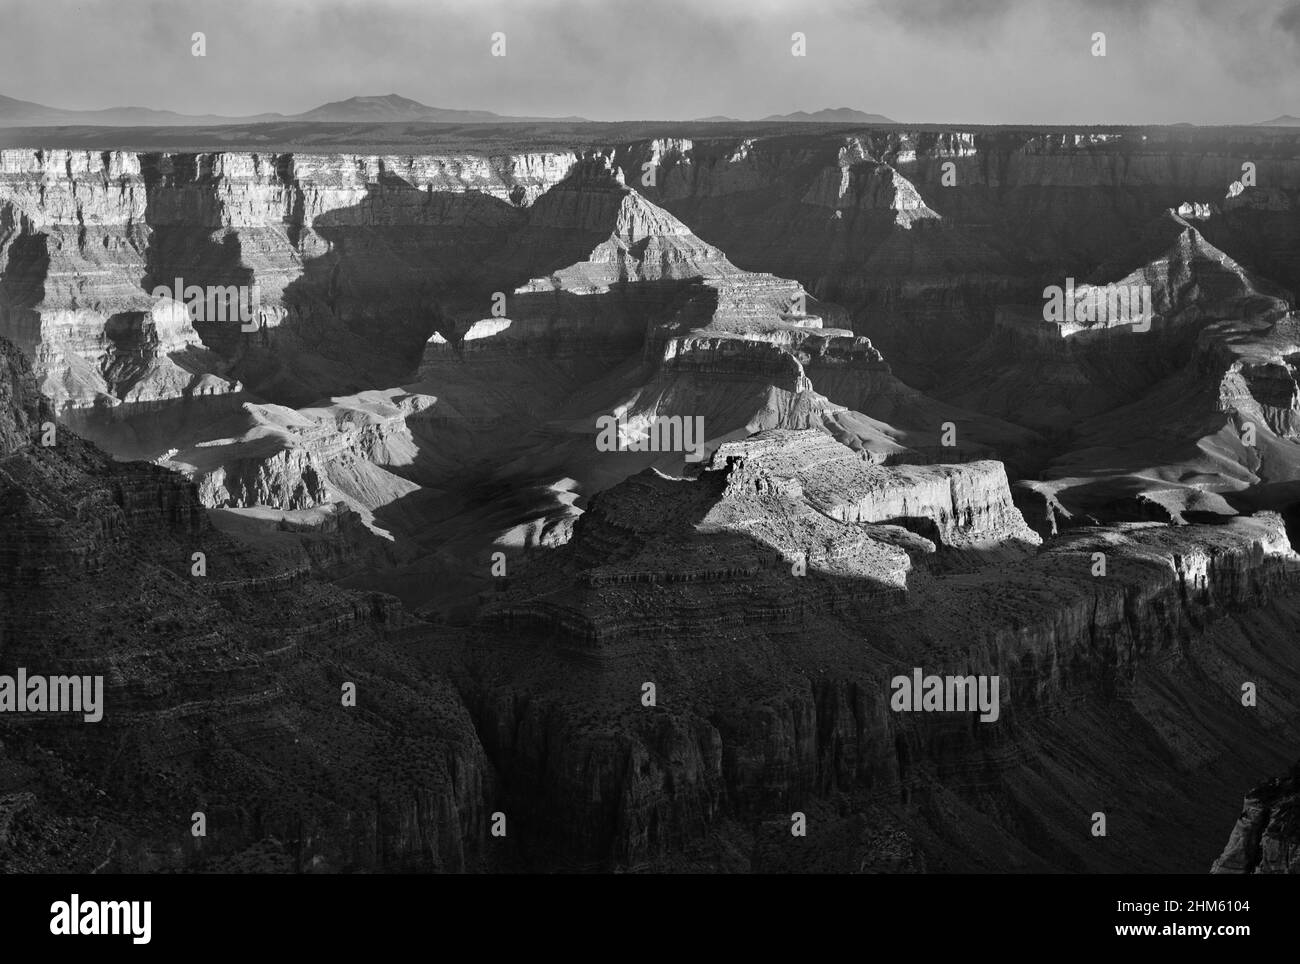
{"x": 22, "y": 407}
{"x": 292, "y": 478}
{"x": 74, "y": 236}
{"x": 1266, "y": 838}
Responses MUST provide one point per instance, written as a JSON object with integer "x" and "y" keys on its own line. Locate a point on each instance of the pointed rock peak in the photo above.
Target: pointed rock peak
{"x": 1175, "y": 249}
{"x": 1190, "y": 245}
{"x": 639, "y": 218}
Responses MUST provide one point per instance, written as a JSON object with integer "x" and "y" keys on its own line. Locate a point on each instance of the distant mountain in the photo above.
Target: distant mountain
{"x": 831, "y": 115}
{"x": 1286, "y": 120}
{"x": 390, "y": 107}
{"x": 385, "y": 108}
{"x": 20, "y": 111}
{"x": 23, "y": 113}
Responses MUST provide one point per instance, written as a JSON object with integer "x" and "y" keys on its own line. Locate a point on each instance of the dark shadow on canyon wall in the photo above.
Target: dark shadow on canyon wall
{"x": 22, "y": 284}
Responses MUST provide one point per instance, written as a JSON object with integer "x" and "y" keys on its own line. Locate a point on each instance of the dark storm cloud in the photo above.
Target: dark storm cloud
{"x": 977, "y": 61}
{"x": 1289, "y": 20}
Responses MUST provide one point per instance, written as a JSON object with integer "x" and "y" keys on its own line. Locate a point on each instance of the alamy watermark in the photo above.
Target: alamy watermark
{"x": 75, "y": 917}
{"x": 53, "y": 694}
{"x": 657, "y": 433}
{"x": 919, "y": 693}
{"x": 1088, "y": 303}
{"x": 216, "y": 302}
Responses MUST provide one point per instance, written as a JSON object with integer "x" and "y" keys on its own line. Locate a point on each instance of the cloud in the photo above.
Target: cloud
{"x": 973, "y": 61}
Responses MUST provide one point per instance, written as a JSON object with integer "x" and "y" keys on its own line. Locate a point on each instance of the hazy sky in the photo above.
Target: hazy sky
{"x": 972, "y": 61}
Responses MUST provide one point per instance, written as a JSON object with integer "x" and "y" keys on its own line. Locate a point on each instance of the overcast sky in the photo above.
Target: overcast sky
{"x": 971, "y": 61}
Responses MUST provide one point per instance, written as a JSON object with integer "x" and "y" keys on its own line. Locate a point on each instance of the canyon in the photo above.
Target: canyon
{"x": 394, "y": 479}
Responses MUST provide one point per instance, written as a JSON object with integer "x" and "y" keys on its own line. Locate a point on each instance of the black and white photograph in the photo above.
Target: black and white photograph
{"x": 849, "y": 440}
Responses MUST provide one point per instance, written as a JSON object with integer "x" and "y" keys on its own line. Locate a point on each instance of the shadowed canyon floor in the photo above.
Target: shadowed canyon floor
{"x": 762, "y": 419}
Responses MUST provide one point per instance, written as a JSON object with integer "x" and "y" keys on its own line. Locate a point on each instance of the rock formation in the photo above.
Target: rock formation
{"x": 1266, "y": 839}
{"x": 763, "y": 422}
